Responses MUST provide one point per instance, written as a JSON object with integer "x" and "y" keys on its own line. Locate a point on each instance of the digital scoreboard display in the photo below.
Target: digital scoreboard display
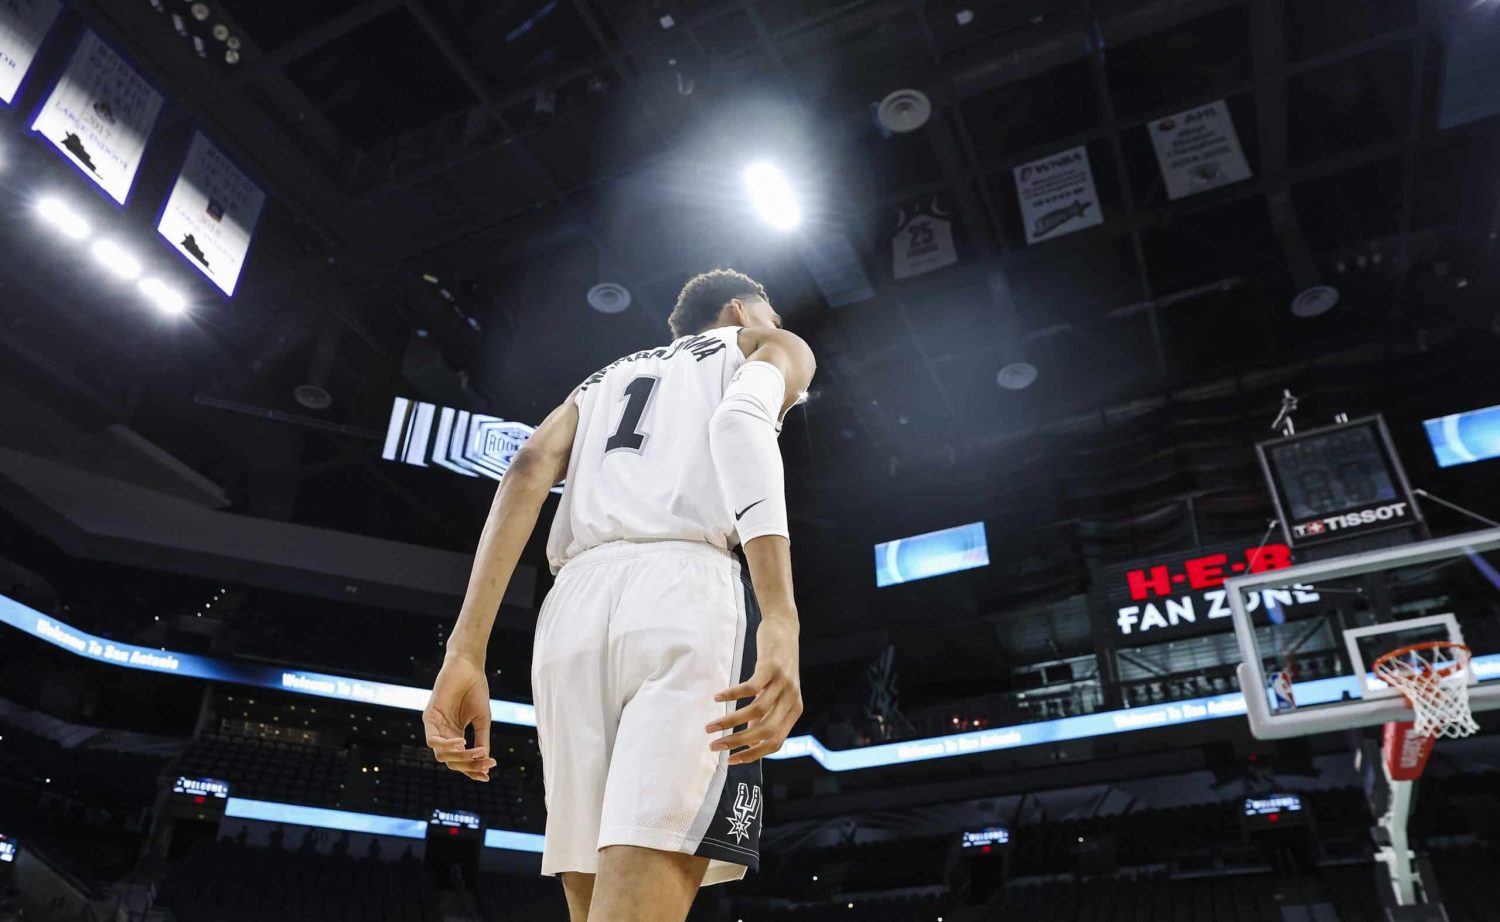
{"x": 7, "y": 849}
{"x": 1267, "y": 812}
{"x": 1272, "y": 804}
{"x": 455, "y": 819}
{"x": 983, "y": 838}
{"x": 201, "y": 787}
{"x": 1338, "y": 482}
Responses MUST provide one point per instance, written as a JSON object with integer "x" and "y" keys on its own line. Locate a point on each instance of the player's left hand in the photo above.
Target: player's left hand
{"x": 776, "y": 692}
{"x": 460, "y": 697}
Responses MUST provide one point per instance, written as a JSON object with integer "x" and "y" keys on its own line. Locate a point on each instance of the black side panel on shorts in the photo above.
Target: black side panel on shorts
{"x": 734, "y": 833}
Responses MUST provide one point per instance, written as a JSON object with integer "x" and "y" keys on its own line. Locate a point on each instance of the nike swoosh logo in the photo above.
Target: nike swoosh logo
{"x": 739, "y": 515}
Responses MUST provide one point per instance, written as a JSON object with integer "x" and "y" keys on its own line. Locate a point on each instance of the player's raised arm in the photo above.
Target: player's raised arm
{"x": 460, "y": 696}
{"x": 742, "y": 437}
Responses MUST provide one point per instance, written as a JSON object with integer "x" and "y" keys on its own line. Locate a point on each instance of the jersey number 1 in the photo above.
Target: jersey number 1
{"x": 628, "y": 435}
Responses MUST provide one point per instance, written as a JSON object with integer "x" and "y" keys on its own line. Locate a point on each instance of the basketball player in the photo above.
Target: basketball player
{"x": 659, "y": 681}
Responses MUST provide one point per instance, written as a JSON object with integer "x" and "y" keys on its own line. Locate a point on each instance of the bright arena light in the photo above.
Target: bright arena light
{"x": 63, "y": 219}
{"x": 772, "y": 196}
{"x": 164, "y": 296}
{"x": 113, "y": 257}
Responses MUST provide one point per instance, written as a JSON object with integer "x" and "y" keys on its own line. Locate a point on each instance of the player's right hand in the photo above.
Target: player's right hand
{"x": 776, "y": 690}
{"x": 460, "y": 697}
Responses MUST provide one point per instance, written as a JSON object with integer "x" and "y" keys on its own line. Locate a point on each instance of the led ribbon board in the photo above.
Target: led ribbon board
{"x": 933, "y": 554}
{"x": 1100, "y": 723}
{"x": 1463, "y": 438}
{"x": 472, "y": 444}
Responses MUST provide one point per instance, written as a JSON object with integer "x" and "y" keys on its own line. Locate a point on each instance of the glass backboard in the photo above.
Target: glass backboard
{"x": 1309, "y": 634}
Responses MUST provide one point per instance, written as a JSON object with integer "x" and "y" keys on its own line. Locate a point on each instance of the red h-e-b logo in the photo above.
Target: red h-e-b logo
{"x": 1205, "y": 572}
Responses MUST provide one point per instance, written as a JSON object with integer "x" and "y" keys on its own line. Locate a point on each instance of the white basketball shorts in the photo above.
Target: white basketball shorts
{"x": 632, "y": 644}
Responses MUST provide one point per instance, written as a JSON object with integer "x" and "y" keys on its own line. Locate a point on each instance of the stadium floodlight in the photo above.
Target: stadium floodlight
{"x": 164, "y": 296}
{"x": 116, "y": 259}
{"x": 772, "y": 196}
{"x": 63, "y": 219}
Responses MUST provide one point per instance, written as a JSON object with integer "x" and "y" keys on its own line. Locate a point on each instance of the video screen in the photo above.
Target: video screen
{"x": 1463, "y": 438}
{"x": 933, "y": 554}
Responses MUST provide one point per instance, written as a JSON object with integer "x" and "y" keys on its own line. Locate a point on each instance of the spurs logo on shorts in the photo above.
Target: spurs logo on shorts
{"x": 746, "y": 808}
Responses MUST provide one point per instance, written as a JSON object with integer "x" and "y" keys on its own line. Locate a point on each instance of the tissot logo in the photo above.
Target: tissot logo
{"x": 1352, "y": 521}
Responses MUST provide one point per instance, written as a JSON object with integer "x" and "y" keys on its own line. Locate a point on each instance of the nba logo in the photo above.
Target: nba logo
{"x": 1282, "y": 698}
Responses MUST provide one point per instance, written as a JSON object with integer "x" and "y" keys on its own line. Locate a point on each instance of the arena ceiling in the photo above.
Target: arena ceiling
{"x": 450, "y": 177}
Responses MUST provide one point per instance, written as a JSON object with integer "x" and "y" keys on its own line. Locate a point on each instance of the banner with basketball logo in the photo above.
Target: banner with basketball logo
{"x": 211, "y": 214}
{"x": 1057, "y": 195}
{"x": 1198, "y": 150}
{"x": 99, "y": 116}
{"x": 23, "y": 25}
{"x": 923, "y": 239}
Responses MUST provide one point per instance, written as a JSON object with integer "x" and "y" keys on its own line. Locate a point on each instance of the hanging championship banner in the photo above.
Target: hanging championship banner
{"x": 1057, "y": 195}
{"x": 23, "y": 25}
{"x": 923, "y": 240}
{"x": 1198, "y": 150}
{"x": 99, "y": 116}
{"x": 211, "y": 214}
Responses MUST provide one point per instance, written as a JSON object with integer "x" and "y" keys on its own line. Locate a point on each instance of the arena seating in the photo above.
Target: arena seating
{"x": 228, "y": 882}
{"x": 413, "y": 784}
{"x": 406, "y": 784}
{"x": 270, "y": 770}
{"x": 1234, "y": 898}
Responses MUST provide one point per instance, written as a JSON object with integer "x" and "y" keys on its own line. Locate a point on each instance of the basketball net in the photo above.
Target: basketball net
{"x": 1434, "y": 679}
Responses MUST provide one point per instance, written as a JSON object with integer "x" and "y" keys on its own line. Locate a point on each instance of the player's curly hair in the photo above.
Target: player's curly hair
{"x": 705, "y": 295}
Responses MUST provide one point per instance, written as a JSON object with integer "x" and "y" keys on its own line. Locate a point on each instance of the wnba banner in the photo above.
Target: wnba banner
{"x": 23, "y": 25}
{"x": 211, "y": 214}
{"x": 1057, "y": 195}
{"x": 99, "y": 116}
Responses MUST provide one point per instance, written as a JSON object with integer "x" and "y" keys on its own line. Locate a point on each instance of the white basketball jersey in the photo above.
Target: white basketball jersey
{"x": 641, "y": 468}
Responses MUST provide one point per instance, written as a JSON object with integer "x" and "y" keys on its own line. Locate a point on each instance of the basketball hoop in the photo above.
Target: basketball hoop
{"x": 1434, "y": 679}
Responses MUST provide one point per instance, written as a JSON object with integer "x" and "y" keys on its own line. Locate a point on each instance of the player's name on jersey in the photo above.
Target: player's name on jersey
{"x": 699, "y": 346}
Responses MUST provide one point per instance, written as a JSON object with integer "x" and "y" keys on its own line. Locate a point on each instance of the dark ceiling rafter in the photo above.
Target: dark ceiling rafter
{"x": 315, "y": 38}
{"x": 472, "y": 80}
{"x": 619, "y": 65}
{"x": 1122, "y": 175}
{"x": 846, "y": 372}
{"x": 618, "y": 58}
{"x": 1412, "y": 132}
